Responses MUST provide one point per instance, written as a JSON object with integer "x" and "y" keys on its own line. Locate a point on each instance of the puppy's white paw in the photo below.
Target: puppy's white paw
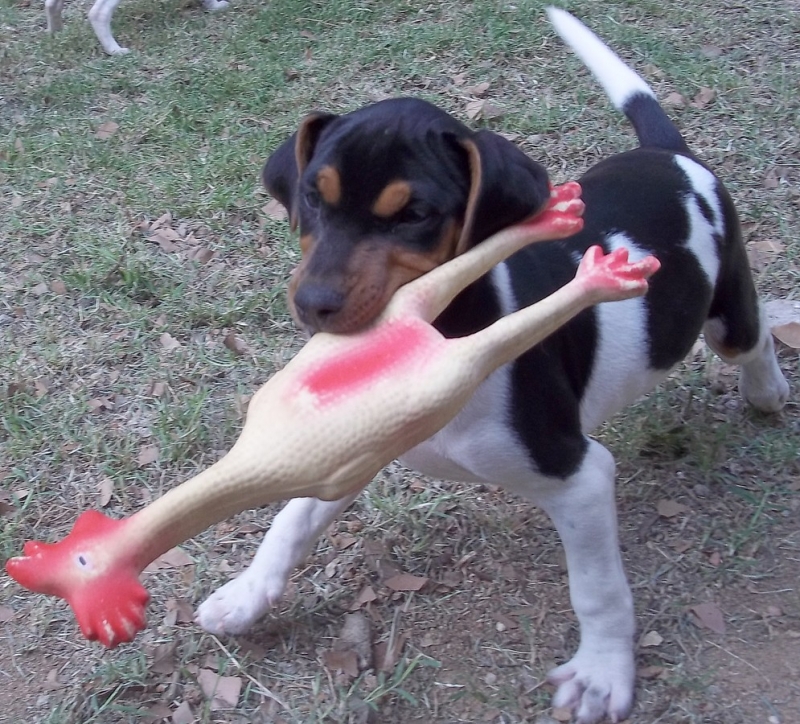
{"x": 235, "y": 607}
{"x": 215, "y": 6}
{"x": 595, "y": 685}
{"x": 768, "y": 393}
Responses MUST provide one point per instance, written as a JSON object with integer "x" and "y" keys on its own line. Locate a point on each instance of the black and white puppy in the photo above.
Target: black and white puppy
{"x": 387, "y": 191}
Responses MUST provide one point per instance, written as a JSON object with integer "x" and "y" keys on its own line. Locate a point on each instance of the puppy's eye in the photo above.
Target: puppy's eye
{"x": 312, "y": 199}
{"x": 412, "y": 214}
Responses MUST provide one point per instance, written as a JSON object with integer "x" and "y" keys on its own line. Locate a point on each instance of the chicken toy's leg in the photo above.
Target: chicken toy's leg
{"x": 343, "y": 408}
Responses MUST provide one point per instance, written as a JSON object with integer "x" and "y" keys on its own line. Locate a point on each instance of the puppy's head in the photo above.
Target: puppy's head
{"x": 386, "y": 193}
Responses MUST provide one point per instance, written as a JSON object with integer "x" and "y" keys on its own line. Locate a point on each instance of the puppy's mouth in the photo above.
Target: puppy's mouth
{"x": 316, "y": 308}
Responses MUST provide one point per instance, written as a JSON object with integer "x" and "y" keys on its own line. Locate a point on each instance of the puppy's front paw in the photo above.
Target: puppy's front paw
{"x": 235, "y": 607}
{"x": 595, "y": 685}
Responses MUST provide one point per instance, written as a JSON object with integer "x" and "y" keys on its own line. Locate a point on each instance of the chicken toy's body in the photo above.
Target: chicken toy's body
{"x": 323, "y": 426}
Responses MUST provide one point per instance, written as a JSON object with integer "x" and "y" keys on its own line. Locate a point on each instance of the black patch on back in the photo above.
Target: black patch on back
{"x": 642, "y": 194}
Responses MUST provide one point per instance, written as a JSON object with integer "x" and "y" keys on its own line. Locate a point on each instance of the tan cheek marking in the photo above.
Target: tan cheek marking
{"x": 393, "y": 198}
{"x": 329, "y": 185}
{"x": 306, "y": 242}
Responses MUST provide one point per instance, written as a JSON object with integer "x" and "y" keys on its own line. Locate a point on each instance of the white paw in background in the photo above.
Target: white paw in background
{"x": 595, "y": 685}
{"x": 215, "y": 6}
{"x": 236, "y": 606}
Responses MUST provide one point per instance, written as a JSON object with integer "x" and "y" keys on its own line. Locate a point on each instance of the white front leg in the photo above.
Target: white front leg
{"x": 237, "y": 605}
{"x": 598, "y": 681}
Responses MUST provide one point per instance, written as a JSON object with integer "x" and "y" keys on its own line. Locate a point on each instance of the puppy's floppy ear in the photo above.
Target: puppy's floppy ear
{"x": 505, "y": 187}
{"x": 282, "y": 171}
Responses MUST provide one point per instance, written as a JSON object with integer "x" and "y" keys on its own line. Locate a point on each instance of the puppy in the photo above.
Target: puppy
{"x": 100, "y": 18}
{"x": 387, "y": 192}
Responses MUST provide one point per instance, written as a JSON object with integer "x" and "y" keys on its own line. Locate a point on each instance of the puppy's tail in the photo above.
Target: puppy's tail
{"x": 627, "y": 90}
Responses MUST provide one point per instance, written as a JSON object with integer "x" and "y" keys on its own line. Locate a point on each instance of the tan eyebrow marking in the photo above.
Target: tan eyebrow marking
{"x": 393, "y": 198}
{"x": 329, "y": 185}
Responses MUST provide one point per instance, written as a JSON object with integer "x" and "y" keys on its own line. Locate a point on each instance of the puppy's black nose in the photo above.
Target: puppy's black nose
{"x": 317, "y": 305}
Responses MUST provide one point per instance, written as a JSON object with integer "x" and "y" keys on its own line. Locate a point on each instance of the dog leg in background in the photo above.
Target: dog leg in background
{"x": 100, "y": 18}
{"x": 237, "y": 605}
{"x": 215, "y": 6}
{"x": 599, "y": 679}
{"x": 52, "y": 11}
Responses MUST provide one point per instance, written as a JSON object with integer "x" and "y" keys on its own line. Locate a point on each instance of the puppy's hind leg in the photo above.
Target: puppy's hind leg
{"x": 762, "y": 383}
{"x": 737, "y": 330}
{"x": 235, "y": 607}
{"x": 52, "y": 11}
{"x": 100, "y": 18}
{"x": 597, "y": 682}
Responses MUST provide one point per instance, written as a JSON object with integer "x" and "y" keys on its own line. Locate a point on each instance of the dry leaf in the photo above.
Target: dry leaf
{"x": 163, "y": 220}
{"x": 147, "y": 454}
{"x": 344, "y": 661}
{"x": 184, "y": 613}
{"x": 771, "y": 180}
{"x": 562, "y": 714}
{"x": 98, "y": 404}
{"x": 478, "y": 90}
{"x": 675, "y": 100}
{"x": 108, "y": 129}
{"x": 650, "y": 672}
{"x": 387, "y": 653}
{"x": 406, "y": 582}
{"x": 789, "y": 334}
{"x": 40, "y": 389}
{"x": 473, "y": 109}
{"x": 183, "y": 714}
{"x": 783, "y": 317}
{"x": 704, "y": 97}
{"x": 711, "y": 51}
{"x": 651, "y": 638}
{"x": 58, "y": 287}
{"x": 365, "y": 596}
{"x": 223, "y": 691}
{"x": 770, "y": 246}
{"x": 201, "y": 254}
{"x": 274, "y": 209}
{"x": 482, "y": 109}
{"x": 173, "y": 558}
{"x": 236, "y": 344}
{"x": 52, "y": 682}
{"x": 106, "y": 490}
{"x": 169, "y": 342}
{"x": 710, "y": 616}
{"x": 158, "y": 712}
{"x": 157, "y": 389}
{"x": 6, "y": 614}
{"x": 164, "y": 661}
{"x": 40, "y": 289}
{"x": 670, "y": 508}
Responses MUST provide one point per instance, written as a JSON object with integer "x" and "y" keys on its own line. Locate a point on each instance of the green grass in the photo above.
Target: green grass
{"x": 86, "y": 295}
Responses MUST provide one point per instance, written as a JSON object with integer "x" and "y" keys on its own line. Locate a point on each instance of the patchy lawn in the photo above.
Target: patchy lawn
{"x": 142, "y": 281}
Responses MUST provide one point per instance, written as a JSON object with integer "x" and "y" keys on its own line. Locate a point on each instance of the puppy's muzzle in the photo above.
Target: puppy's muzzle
{"x": 316, "y": 305}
